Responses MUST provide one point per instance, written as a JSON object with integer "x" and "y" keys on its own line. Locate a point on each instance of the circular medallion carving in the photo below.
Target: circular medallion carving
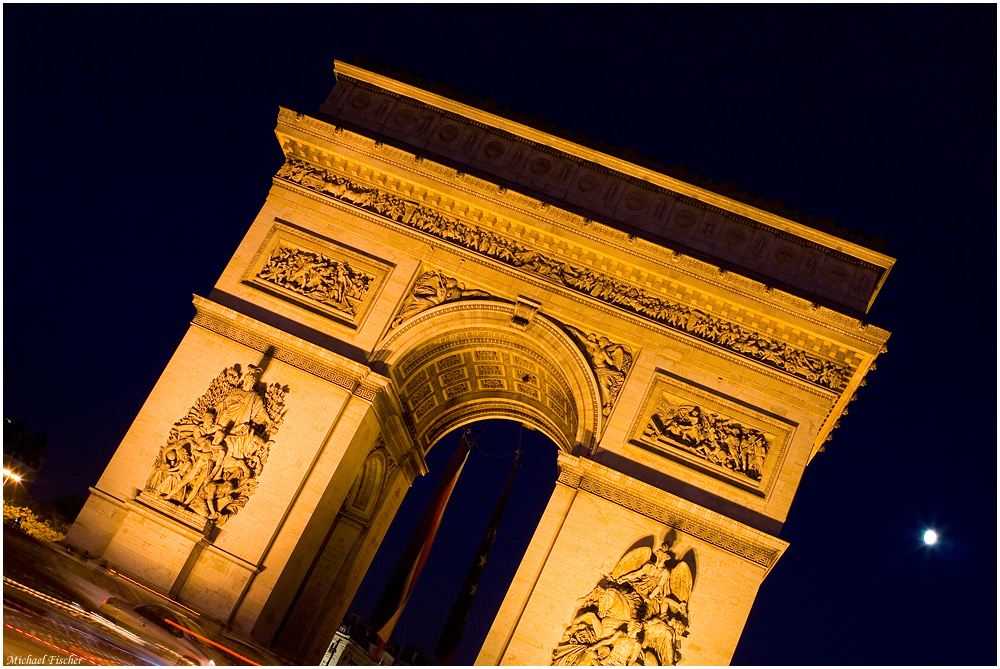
{"x": 588, "y": 184}
{"x": 684, "y": 219}
{"x": 405, "y": 117}
{"x": 785, "y": 256}
{"x": 836, "y": 276}
{"x": 635, "y": 201}
{"x": 362, "y": 101}
{"x": 494, "y": 150}
{"x": 449, "y": 133}
{"x": 540, "y": 167}
{"x": 735, "y": 237}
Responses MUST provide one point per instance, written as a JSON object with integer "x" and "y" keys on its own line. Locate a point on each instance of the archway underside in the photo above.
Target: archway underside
{"x": 460, "y": 378}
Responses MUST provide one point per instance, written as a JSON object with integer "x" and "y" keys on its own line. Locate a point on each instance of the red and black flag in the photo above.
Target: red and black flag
{"x": 397, "y": 591}
{"x": 452, "y": 634}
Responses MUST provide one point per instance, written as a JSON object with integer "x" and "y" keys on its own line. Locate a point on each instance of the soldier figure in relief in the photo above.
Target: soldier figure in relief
{"x": 176, "y": 463}
{"x": 243, "y": 409}
{"x": 214, "y": 454}
{"x": 636, "y": 615}
{"x": 621, "y": 649}
{"x": 206, "y": 450}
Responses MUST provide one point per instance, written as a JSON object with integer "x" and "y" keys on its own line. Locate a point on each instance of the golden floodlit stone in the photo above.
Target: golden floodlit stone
{"x": 419, "y": 264}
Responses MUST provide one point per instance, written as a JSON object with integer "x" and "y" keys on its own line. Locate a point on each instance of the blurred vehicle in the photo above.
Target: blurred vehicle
{"x": 153, "y": 623}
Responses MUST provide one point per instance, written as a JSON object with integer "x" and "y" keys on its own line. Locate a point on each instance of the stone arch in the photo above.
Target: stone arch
{"x": 457, "y": 363}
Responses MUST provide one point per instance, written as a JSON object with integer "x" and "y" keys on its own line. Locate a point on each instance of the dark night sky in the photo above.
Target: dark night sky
{"x": 139, "y": 148}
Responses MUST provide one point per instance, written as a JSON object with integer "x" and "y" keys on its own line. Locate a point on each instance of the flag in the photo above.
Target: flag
{"x": 390, "y": 605}
{"x": 452, "y": 634}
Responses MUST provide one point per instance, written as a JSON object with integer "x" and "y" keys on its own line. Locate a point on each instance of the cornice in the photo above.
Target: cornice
{"x": 523, "y": 209}
{"x": 748, "y": 543}
{"x": 741, "y": 331}
{"x": 660, "y": 330}
{"x": 338, "y": 370}
{"x": 348, "y": 71}
{"x": 831, "y": 420}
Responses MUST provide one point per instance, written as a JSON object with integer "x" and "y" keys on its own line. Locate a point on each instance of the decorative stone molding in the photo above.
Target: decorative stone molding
{"x": 317, "y": 274}
{"x": 635, "y": 615}
{"x": 663, "y": 507}
{"x": 369, "y": 386}
{"x": 734, "y": 337}
{"x": 788, "y": 303}
{"x": 215, "y": 454}
{"x": 396, "y": 437}
{"x": 259, "y": 336}
{"x": 728, "y": 440}
{"x": 609, "y": 361}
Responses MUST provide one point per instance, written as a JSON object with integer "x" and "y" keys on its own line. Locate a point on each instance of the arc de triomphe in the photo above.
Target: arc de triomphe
{"x": 420, "y": 264}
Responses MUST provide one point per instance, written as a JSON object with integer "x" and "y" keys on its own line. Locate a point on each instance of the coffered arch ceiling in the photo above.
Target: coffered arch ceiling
{"x": 472, "y": 360}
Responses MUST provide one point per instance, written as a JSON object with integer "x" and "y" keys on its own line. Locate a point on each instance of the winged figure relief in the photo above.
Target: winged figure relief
{"x": 610, "y": 362}
{"x": 432, "y": 289}
{"x": 636, "y": 615}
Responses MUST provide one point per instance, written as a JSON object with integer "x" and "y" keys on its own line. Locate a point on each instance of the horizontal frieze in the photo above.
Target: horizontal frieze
{"x": 615, "y": 487}
{"x": 258, "y": 336}
{"x": 673, "y": 314}
{"x": 585, "y": 227}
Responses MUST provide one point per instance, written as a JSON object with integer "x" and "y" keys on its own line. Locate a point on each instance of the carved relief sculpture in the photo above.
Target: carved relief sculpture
{"x": 717, "y": 439}
{"x": 216, "y": 452}
{"x": 730, "y": 335}
{"x": 636, "y": 615}
{"x": 332, "y": 282}
{"x": 432, "y": 289}
{"x": 609, "y": 361}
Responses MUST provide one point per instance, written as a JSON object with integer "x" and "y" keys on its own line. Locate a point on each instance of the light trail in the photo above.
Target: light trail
{"x": 172, "y": 601}
{"x": 41, "y": 595}
{"x": 217, "y": 645}
{"x": 52, "y": 645}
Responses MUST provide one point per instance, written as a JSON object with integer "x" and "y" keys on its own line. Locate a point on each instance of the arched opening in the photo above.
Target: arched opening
{"x": 465, "y": 520}
{"x": 511, "y": 380}
{"x": 465, "y": 363}
{"x": 474, "y": 360}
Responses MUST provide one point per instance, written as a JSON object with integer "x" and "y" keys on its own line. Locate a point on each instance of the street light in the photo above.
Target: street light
{"x": 8, "y": 475}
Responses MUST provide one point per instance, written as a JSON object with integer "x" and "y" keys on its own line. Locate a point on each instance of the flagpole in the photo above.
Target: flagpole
{"x": 453, "y": 629}
{"x": 397, "y": 591}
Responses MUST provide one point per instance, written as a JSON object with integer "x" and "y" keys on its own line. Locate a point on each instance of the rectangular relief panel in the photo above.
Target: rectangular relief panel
{"x": 728, "y": 440}
{"x": 317, "y": 274}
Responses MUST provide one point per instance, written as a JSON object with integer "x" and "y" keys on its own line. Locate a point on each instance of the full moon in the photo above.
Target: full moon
{"x": 930, "y": 537}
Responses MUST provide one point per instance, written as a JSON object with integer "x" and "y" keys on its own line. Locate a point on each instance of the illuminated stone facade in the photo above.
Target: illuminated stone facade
{"x": 420, "y": 264}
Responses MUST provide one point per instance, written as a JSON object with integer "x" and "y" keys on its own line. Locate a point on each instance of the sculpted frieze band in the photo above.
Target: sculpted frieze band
{"x": 675, "y": 315}
{"x": 317, "y": 277}
{"x": 636, "y": 615}
{"x": 214, "y": 455}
